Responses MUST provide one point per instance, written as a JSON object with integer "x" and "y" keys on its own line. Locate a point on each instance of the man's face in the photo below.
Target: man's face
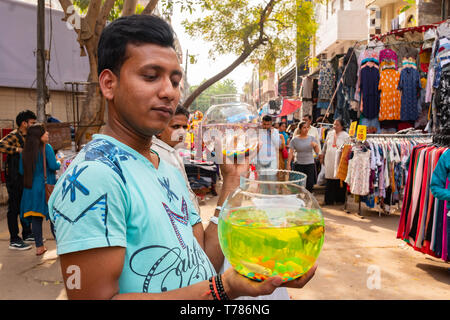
{"x": 147, "y": 92}
{"x": 267, "y": 125}
{"x": 175, "y": 132}
{"x": 308, "y": 122}
{"x": 26, "y": 124}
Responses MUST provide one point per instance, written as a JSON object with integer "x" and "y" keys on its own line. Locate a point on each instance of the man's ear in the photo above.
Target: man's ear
{"x": 108, "y": 82}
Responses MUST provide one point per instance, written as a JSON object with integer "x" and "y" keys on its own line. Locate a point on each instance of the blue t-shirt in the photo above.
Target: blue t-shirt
{"x": 113, "y": 196}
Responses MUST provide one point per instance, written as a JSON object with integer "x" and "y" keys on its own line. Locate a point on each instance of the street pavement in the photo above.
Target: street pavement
{"x": 361, "y": 259}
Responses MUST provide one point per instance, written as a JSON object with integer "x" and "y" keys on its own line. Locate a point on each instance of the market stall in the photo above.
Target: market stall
{"x": 396, "y": 81}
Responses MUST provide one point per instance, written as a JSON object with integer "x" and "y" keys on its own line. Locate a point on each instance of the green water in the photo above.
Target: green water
{"x": 274, "y": 241}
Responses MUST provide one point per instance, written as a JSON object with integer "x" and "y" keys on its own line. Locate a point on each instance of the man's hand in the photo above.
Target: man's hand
{"x": 321, "y": 158}
{"x": 19, "y": 150}
{"x": 231, "y": 172}
{"x": 236, "y": 285}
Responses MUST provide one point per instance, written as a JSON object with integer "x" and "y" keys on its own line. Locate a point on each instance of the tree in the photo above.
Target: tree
{"x": 89, "y": 27}
{"x": 263, "y": 32}
{"x": 203, "y": 101}
{"x": 88, "y": 18}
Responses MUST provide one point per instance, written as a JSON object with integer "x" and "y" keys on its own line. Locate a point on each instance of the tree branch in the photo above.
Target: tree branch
{"x": 223, "y": 73}
{"x": 104, "y": 13}
{"x": 92, "y": 13}
{"x": 264, "y": 15}
{"x": 129, "y": 7}
{"x": 150, "y": 7}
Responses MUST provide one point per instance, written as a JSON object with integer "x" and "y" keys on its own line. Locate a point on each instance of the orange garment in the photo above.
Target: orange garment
{"x": 343, "y": 163}
{"x": 390, "y": 97}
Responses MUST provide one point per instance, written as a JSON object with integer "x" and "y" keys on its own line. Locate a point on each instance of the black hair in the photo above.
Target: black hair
{"x": 341, "y": 121}
{"x": 267, "y": 118}
{"x": 181, "y": 110}
{"x": 136, "y": 30}
{"x": 308, "y": 116}
{"x": 301, "y": 125}
{"x": 31, "y": 150}
{"x": 25, "y": 116}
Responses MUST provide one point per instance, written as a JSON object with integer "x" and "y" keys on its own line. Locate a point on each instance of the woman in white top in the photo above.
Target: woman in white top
{"x": 334, "y": 192}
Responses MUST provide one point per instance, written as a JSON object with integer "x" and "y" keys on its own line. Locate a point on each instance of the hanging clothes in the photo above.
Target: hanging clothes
{"x": 358, "y": 176}
{"x": 410, "y": 86}
{"x": 307, "y": 94}
{"x": 307, "y": 87}
{"x": 370, "y": 78}
{"x": 388, "y": 55}
{"x": 376, "y": 168}
{"x": 443, "y": 101}
{"x": 326, "y": 81}
{"x": 351, "y": 73}
{"x": 390, "y": 98}
{"x": 342, "y": 106}
{"x": 424, "y": 217}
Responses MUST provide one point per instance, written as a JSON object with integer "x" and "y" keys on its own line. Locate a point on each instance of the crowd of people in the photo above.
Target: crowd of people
{"x": 31, "y": 163}
{"x": 302, "y": 149}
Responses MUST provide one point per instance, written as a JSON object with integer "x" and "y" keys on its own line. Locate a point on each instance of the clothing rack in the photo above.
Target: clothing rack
{"x": 324, "y": 124}
{"x": 400, "y": 43}
{"x": 393, "y": 135}
{"x": 352, "y": 140}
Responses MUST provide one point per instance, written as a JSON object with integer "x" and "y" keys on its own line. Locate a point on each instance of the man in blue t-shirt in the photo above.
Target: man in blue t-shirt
{"x": 125, "y": 225}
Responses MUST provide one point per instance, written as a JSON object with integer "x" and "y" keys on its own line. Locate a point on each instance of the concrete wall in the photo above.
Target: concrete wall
{"x": 14, "y": 100}
{"x": 337, "y": 22}
{"x": 341, "y": 26}
{"x": 430, "y": 12}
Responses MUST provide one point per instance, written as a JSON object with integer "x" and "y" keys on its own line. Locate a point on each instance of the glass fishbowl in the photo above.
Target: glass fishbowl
{"x": 230, "y": 126}
{"x": 271, "y": 225}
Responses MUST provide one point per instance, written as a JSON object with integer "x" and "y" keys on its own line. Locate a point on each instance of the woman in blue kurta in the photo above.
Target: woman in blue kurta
{"x": 33, "y": 207}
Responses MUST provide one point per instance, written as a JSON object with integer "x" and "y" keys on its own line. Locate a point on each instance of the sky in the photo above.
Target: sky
{"x": 205, "y": 66}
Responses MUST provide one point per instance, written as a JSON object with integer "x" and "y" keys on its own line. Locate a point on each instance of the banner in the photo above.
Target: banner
{"x": 289, "y": 106}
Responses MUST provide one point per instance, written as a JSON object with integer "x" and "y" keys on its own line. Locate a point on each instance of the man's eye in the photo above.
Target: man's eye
{"x": 175, "y": 84}
{"x": 150, "y": 77}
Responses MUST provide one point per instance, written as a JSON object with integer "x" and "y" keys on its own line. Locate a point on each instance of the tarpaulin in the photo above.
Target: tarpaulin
{"x": 18, "y": 22}
{"x": 289, "y": 106}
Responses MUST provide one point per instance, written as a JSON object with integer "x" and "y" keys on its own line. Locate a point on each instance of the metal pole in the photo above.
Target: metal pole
{"x": 40, "y": 62}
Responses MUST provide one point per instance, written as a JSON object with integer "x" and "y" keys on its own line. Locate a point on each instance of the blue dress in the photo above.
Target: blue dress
{"x": 410, "y": 86}
{"x": 33, "y": 200}
{"x": 370, "y": 78}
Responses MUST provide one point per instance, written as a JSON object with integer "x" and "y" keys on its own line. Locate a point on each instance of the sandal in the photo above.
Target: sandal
{"x": 40, "y": 253}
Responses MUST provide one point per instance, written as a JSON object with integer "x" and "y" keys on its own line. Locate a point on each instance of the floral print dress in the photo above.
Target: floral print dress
{"x": 390, "y": 98}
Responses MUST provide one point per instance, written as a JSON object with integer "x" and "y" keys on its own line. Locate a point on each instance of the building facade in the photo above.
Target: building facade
{"x": 341, "y": 24}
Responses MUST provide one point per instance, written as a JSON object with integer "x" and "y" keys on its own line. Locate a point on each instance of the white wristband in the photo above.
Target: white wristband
{"x": 214, "y": 220}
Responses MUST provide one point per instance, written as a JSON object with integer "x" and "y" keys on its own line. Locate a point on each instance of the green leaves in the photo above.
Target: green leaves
{"x": 234, "y": 26}
{"x": 408, "y": 6}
